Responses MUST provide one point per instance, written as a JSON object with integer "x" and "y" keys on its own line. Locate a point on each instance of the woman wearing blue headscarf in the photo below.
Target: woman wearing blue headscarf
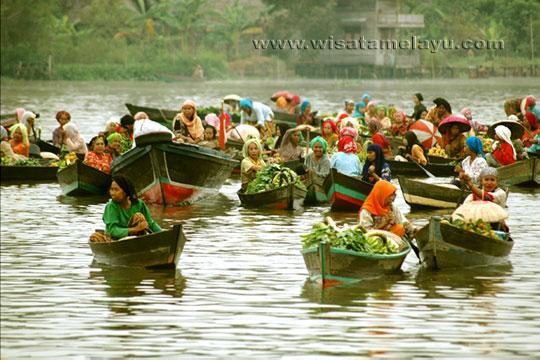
{"x": 474, "y": 163}
{"x": 318, "y": 161}
{"x": 361, "y": 107}
{"x": 375, "y": 167}
{"x": 254, "y": 112}
{"x": 305, "y": 116}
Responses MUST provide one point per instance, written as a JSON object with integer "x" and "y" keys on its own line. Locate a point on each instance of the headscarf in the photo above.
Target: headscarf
{"x": 212, "y": 119}
{"x": 332, "y": 124}
{"x": 467, "y": 113}
{"x": 19, "y": 112}
{"x": 374, "y": 125}
{"x": 6, "y": 149}
{"x": 366, "y": 95}
{"x": 379, "y": 161}
{"x": 411, "y": 141}
{"x": 475, "y": 144}
{"x": 349, "y": 101}
{"x": 400, "y": 114}
{"x": 113, "y": 137}
{"x": 374, "y": 203}
{"x": 320, "y": 140}
{"x": 194, "y": 126}
{"x": 350, "y": 121}
{"x": 295, "y": 99}
{"x": 281, "y": 102}
{"x": 27, "y": 115}
{"x": 505, "y": 135}
{"x": 246, "y": 103}
{"x": 3, "y": 132}
{"x": 347, "y": 145}
{"x": 531, "y": 118}
{"x": 304, "y": 105}
{"x": 245, "y": 148}
{"x": 348, "y": 132}
{"x": 488, "y": 171}
{"x": 513, "y": 118}
{"x": 357, "y": 107}
{"x": 287, "y": 150}
{"x": 141, "y": 115}
{"x": 24, "y": 132}
{"x": 126, "y": 185}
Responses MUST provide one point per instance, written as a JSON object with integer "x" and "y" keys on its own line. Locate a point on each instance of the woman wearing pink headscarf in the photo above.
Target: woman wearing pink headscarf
{"x": 188, "y": 125}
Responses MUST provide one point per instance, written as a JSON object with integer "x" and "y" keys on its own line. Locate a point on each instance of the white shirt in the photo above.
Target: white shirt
{"x": 473, "y": 169}
{"x": 259, "y": 113}
{"x": 146, "y": 126}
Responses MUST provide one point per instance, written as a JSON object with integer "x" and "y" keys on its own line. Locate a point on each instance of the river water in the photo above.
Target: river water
{"x": 241, "y": 290}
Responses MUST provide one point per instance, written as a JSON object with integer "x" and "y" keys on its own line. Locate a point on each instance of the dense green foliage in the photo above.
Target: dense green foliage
{"x": 272, "y": 177}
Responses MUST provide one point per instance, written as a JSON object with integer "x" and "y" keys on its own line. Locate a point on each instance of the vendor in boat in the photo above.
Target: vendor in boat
{"x": 290, "y": 148}
{"x": 97, "y": 157}
{"x": 474, "y": 163}
{"x": 346, "y": 160}
{"x": 210, "y": 137}
{"x": 375, "y": 168}
{"x": 348, "y": 110}
{"x": 127, "y": 121}
{"x": 453, "y": 142}
{"x": 317, "y": 162}
{"x": 380, "y": 212}
{"x": 504, "y": 152}
{"x": 34, "y": 132}
{"x": 530, "y": 123}
{"x": 306, "y": 117}
{"x": 442, "y": 110}
{"x": 330, "y": 133}
{"x": 379, "y": 138}
{"x": 114, "y": 145}
{"x": 62, "y": 117}
{"x": 488, "y": 189}
{"x": 475, "y": 125}
{"x": 360, "y": 107}
{"x": 414, "y": 150}
{"x": 19, "y": 140}
{"x": 400, "y": 124}
{"x": 254, "y": 112}
{"x": 124, "y": 214}
{"x": 419, "y": 108}
{"x": 382, "y": 116}
{"x": 73, "y": 141}
{"x": 7, "y": 154}
{"x": 143, "y": 126}
{"x": 188, "y": 125}
{"x": 252, "y": 162}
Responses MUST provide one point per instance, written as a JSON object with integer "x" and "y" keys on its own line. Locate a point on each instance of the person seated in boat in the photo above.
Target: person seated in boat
{"x": 383, "y": 118}
{"x": 210, "y": 137}
{"x": 290, "y": 148}
{"x": 34, "y": 132}
{"x": 504, "y": 152}
{"x": 19, "y": 140}
{"x": 414, "y": 150}
{"x": 7, "y": 154}
{"x": 306, "y": 117}
{"x": 282, "y": 104}
{"x": 73, "y": 141}
{"x": 442, "y": 110}
{"x": 419, "y": 108}
{"x": 348, "y": 111}
{"x": 254, "y": 112}
{"x": 400, "y": 124}
{"x": 375, "y": 168}
{"x": 371, "y": 111}
{"x": 361, "y": 106}
{"x": 252, "y": 162}
{"x": 453, "y": 142}
{"x": 110, "y": 128}
{"x": 379, "y": 138}
{"x": 187, "y": 125}
{"x": 97, "y": 157}
{"x": 474, "y": 163}
{"x": 488, "y": 190}
{"x": 62, "y": 117}
{"x": 530, "y": 124}
{"x": 143, "y": 126}
{"x": 317, "y": 162}
{"x": 114, "y": 143}
{"x": 127, "y": 121}
{"x": 346, "y": 160}
{"x": 330, "y": 133}
{"x": 125, "y": 214}
{"x": 380, "y": 212}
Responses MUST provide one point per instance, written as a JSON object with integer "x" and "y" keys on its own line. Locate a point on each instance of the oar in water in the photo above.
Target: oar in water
{"x": 424, "y": 169}
{"x": 414, "y": 247}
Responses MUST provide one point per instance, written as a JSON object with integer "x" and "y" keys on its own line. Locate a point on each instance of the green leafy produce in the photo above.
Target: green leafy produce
{"x": 478, "y": 226}
{"x": 272, "y": 177}
{"x": 352, "y": 238}
{"x": 27, "y": 162}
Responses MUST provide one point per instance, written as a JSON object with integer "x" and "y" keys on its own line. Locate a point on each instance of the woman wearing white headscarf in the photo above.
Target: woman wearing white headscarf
{"x": 73, "y": 140}
{"x": 504, "y": 152}
{"x": 29, "y": 120}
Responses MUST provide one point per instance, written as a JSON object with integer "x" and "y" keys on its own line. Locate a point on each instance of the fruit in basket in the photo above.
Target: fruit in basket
{"x": 437, "y": 151}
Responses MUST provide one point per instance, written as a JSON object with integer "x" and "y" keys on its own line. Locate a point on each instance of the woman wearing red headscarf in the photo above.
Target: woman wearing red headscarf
{"x": 330, "y": 133}
{"x": 380, "y": 212}
{"x": 531, "y": 129}
{"x": 346, "y": 160}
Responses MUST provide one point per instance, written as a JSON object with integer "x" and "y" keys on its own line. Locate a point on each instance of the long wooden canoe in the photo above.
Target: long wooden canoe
{"x": 164, "y": 172}
{"x": 80, "y": 179}
{"x": 24, "y": 174}
{"x": 345, "y": 192}
{"x": 161, "y": 249}
{"x": 315, "y": 186}
{"x": 525, "y": 172}
{"x": 445, "y": 246}
{"x": 442, "y": 160}
{"x": 288, "y": 197}
{"x": 411, "y": 169}
{"x": 331, "y": 266}
{"x": 48, "y": 147}
{"x": 420, "y": 194}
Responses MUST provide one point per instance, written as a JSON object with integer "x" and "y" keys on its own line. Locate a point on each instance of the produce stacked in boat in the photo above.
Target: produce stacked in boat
{"x": 437, "y": 151}
{"x": 272, "y": 177}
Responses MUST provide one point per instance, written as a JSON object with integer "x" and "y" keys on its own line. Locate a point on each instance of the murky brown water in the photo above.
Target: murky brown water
{"x": 241, "y": 288}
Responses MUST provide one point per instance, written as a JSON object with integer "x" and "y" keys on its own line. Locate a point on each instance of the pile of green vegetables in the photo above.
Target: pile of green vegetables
{"x": 353, "y": 238}
{"x": 272, "y": 177}
{"x": 26, "y": 162}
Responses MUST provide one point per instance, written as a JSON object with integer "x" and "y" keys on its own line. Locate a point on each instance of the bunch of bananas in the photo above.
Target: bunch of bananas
{"x": 486, "y": 144}
{"x": 437, "y": 151}
{"x": 68, "y": 159}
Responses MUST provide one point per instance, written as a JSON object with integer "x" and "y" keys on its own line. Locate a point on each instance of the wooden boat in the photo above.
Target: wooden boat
{"x": 331, "y": 266}
{"x": 345, "y": 192}
{"x": 411, "y": 169}
{"x": 6, "y": 120}
{"x": 446, "y": 246}
{"x": 420, "y": 194}
{"x": 525, "y": 172}
{"x": 432, "y": 159}
{"x": 81, "y": 179}
{"x": 161, "y": 249}
{"x": 45, "y": 146}
{"x": 24, "y": 174}
{"x": 289, "y": 197}
{"x": 315, "y": 186}
{"x": 169, "y": 173}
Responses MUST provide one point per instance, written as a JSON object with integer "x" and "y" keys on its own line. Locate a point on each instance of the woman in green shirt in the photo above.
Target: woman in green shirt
{"x": 125, "y": 214}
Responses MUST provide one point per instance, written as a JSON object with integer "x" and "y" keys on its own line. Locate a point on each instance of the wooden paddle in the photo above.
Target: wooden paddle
{"x": 414, "y": 247}
{"x": 424, "y": 169}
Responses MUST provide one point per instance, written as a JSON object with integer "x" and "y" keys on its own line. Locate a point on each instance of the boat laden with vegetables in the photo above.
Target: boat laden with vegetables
{"x": 274, "y": 187}
{"x": 335, "y": 256}
{"x": 29, "y": 170}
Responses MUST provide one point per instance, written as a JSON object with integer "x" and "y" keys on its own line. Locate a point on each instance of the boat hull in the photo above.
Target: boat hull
{"x": 288, "y": 197}
{"x": 79, "y": 179}
{"x": 315, "y": 186}
{"x": 419, "y": 194}
{"x": 24, "y": 174}
{"x": 445, "y": 246}
{"x": 411, "y": 169}
{"x": 161, "y": 249}
{"x": 522, "y": 173}
{"x": 345, "y": 192}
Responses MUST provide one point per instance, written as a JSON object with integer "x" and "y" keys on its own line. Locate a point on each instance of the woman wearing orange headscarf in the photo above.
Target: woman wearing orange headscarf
{"x": 380, "y": 212}
{"x": 188, "y": 125}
